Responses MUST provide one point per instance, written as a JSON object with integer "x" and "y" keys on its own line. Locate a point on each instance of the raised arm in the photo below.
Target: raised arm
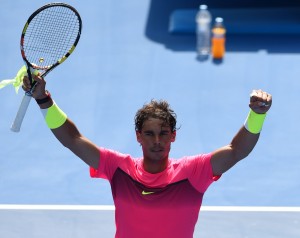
{"x": 63, "y": 128}
{"x": 246, "y": 138}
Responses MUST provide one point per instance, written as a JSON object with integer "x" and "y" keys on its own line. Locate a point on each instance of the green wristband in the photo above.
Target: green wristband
{"x": 254, "y": 122}
{"x": 54, "y": 116}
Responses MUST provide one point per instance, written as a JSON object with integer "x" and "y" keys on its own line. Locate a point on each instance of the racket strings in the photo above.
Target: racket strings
{"x": 50, "y": 35}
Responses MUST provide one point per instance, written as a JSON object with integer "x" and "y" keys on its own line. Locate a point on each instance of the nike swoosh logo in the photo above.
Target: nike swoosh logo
{"x": 146, "y": 193}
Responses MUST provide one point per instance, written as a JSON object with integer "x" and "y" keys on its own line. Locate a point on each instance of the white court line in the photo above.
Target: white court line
{"x": 249, "y": 209}
{"x": 58, "y": 207}
{"x": 112, "y": 208}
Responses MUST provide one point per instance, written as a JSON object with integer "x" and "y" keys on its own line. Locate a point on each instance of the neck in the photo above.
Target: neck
{"x": 155, "y": 167}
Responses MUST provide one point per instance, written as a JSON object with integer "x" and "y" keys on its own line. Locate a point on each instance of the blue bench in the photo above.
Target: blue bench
{"x": 241, "y": 21}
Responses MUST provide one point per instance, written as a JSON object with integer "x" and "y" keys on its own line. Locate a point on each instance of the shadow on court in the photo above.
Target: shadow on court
{"x": 158, "y": 23}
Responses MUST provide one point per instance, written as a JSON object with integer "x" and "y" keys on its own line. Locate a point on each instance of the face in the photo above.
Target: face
{"x": 155, "y": 139}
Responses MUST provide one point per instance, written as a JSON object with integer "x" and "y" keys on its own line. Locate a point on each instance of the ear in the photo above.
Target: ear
{"x": 173, "y": 138}
{"x": 138, "y": 136}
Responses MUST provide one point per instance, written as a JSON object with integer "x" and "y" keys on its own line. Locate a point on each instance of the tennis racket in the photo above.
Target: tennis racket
{"x": 49, "y": 36}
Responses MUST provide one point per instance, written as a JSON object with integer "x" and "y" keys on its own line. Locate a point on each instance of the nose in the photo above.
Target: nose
{"x": 157, "y": 139}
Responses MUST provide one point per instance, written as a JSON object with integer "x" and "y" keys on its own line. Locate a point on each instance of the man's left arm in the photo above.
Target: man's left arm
{"x": 246, "y": 138}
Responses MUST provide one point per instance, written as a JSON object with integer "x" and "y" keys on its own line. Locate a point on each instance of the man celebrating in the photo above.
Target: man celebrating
{"x": 154, "y": 196}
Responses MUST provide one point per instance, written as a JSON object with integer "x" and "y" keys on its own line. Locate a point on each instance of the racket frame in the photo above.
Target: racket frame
{"x": 32, "y": 69}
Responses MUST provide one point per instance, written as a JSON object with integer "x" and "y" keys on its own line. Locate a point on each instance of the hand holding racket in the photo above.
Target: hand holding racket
{"x": 39, "y": 91}
{"x": 49, "y": 36}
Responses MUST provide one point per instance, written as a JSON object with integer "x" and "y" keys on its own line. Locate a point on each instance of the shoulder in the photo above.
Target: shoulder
{"x": 199, "y": 171}
{"x": 186, "y": 166}
{"x": 197, "y": 160}
{"x": 115, "y": 158}
{"x": 110, "y": 160}
{"x": 109, "y": 153}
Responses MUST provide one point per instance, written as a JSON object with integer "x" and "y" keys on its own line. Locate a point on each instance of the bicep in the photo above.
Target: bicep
{"x": 222, "y": 160}
{"x": 87, "y": 151}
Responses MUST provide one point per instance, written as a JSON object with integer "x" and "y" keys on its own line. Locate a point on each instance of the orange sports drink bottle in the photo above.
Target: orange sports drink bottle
{"x": 218, "y": 39}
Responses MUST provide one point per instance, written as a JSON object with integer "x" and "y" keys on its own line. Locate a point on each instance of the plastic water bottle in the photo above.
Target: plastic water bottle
{"x": 218, "y": 39}
{"x": 203, "y": 31}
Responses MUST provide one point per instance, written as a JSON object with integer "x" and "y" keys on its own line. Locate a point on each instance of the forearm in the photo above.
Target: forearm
{"x": 247, "y": 137}
{"x": 243, "y": 143}
{"x": 66, "y": 130}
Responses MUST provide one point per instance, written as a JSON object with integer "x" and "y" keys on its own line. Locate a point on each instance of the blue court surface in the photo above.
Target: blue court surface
{"x": 126, "y": 57}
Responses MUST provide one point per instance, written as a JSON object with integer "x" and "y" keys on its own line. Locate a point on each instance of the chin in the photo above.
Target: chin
{"x": 159, "y": 157}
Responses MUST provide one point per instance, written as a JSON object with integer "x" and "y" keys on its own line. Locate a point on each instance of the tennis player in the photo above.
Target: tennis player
{"x": 155, "y": 196}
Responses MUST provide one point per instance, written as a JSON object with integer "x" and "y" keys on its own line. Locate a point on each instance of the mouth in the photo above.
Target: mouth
{"x": 157, "y": 149}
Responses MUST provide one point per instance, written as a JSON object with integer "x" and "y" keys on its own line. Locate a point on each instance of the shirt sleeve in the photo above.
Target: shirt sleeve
{"x": 200, "y": 172}
{"x": 109, "y": 161}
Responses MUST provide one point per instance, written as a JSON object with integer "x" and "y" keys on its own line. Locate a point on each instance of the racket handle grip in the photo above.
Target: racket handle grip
{"x": 16, "y": 125}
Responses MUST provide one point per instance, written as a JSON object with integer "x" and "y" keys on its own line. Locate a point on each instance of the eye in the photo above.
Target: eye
{"x": 148, "y": 133}
{"x": 164, "y": 133}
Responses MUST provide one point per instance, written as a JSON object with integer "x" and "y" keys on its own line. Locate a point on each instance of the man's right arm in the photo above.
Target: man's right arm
{"x": 67, "y": 133}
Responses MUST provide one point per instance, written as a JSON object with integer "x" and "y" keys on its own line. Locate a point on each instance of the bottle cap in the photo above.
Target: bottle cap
{"x": 203, "y": 7}
{"x": 219, "y": 20}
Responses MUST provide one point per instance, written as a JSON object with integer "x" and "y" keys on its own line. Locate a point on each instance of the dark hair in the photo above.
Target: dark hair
{"x": 155, "y": 109}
